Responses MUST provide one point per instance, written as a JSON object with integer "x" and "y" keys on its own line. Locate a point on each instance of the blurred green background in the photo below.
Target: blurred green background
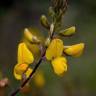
{"x": 80, "y": 80}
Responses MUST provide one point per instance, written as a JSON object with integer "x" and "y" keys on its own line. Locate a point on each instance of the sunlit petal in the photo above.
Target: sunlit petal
{"x": 55, "y": 49}
{"x": 24, "y": 54}
{"x": 59, "y": 65}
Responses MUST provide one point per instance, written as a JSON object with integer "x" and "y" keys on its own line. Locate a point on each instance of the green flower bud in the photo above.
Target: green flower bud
{"x": 44, "y": 21}
{"x": 68, "y": 32}
{"x": 30, "y": 37}
{"x": 51, "y": 12}
{"x": 47, "y": 42}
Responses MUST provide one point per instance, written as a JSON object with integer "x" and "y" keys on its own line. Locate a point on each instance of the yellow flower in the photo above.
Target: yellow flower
{"x": 21, "y": 69}
{"x": 54, "y": 53}
{"x": 24, "y": 54}
{"x": 75, "y": 50}
{"x": 25, "y": 57}
{"x": 59, "y": 65}
{"x": 55, "y": 49}
{"x": 39, "y": 79}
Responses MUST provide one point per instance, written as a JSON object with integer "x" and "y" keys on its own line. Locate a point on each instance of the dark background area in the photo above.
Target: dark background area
{"x": 15, "y": 15}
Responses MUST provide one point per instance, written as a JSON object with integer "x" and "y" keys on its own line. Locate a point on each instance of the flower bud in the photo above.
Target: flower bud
{"x": 75, "y": 50}
{"x": 28, "y": 34}
{"x": 68, "y": 32}
{"x": 47, "y": 42}
{"x": 30, "y": 37}
{"x": 51, "y": 11}
{"x": 44, "y": 21}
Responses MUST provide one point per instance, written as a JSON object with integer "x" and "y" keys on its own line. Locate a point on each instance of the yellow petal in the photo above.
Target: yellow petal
{"x": 19, "y": 70}
{"x": 28, "y": 72}
{"x": 55, "y": 49}
{"x": 75, "y": 50}
{"x": 24, "y": 55}
{"x": 17, "y": 76}
{"x": 59, "y": 65}
{"x": 39, "y": 79}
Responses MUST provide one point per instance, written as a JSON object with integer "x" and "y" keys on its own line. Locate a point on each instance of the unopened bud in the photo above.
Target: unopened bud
{"x": 28, "y": 34}
{"x": 74, "y": 50}
{"x": 68, "y": 32}
{"x": 47, "y": 42}
{"x": 30, "y": 37}
{"x": 44, "y": 21}
{"x": 51, "y": 11}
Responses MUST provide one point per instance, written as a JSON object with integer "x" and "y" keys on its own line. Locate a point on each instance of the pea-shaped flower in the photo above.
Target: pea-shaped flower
{"x": 75, "y": 50}
{"x": 54, "y": 53}
{"x": 25, "y": 57}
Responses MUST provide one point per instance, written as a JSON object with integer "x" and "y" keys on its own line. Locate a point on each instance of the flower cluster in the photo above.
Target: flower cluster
{"x": 56, "y": 52}
{"x": 33, "y": 49}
